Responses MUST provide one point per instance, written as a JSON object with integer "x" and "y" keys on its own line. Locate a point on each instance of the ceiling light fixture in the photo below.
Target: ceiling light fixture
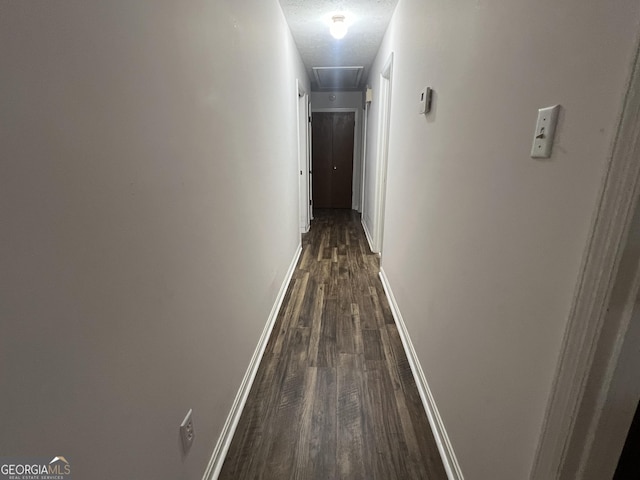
{"x": 338, "y": 27}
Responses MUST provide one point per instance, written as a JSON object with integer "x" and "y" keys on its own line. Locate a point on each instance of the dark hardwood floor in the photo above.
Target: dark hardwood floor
{"x": 334, "y": 397}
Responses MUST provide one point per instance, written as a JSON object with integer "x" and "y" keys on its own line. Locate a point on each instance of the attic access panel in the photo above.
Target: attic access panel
{"x": 333, "y": 78}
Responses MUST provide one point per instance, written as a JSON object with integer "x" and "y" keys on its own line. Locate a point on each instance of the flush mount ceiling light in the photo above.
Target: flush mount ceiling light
{"x": 338, "y": 28}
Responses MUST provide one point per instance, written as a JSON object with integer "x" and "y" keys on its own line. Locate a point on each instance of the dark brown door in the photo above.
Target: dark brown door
{"x": 332, "y": 158}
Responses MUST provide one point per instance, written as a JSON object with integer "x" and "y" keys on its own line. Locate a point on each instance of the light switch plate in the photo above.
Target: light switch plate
{"x": 545, "y": 131}
{"x": 425, "y": 100}
{"x": 187, "y": 433}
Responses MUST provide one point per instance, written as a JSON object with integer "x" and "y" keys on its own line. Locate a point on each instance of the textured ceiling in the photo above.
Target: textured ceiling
{"x": 309, "y": 23}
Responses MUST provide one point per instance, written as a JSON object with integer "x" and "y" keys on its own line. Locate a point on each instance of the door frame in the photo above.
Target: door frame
{"x": 304, "y": 160}
{"x": 595, "y": 445}
{"x": 310, "y": 160}
{"x": 357, "y": 162}
{"x": 365, "y": 126}
{"x": 384, "y": 127}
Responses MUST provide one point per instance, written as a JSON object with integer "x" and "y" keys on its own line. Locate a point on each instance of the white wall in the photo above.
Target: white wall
{"x": 148, "y": 212}
{"x": 329, "y": 100}
{"x": 483, "y": 244}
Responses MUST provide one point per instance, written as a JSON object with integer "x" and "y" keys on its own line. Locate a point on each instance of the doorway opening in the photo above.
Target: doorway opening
{"x": 304, "y": 162}
{"x": 383, "y": 151}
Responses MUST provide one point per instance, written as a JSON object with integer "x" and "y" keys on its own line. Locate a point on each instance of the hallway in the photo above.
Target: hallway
{"x": 334, "y": 396}
{"x": 155, "y": 179}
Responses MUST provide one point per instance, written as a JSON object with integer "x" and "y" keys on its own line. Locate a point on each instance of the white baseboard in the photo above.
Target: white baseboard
{"x": 368, "y": 235}
{"x": 224, "y": 441}
{"x": 437, "y": 426}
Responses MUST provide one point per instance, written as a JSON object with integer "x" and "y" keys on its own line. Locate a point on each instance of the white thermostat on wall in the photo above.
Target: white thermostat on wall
{"x": 425, "y": 100}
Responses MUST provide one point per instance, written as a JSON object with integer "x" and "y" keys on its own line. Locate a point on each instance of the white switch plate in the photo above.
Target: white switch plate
{"x": 187, "y": 433}
{"x": 425, "y": 100}
{"x": 545, "y": 131}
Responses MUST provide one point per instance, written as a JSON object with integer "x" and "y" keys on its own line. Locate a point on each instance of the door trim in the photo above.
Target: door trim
{"x": 304, "y": 161}
{"x": 365, "y": 126}
{"x": 384, "y": 127}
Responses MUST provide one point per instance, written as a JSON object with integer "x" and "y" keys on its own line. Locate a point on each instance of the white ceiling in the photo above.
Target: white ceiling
{"x": 308, "y": 21}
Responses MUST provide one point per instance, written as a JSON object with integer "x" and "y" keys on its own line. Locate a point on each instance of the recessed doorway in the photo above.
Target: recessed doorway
{"x": 332, "y": 157}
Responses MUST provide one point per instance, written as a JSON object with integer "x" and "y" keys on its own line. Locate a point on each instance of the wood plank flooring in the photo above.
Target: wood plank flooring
{"x": 334, "y": 397}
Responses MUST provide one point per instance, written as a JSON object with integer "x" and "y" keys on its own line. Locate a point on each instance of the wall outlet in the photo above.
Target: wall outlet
{"x": 187, "y": 433}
